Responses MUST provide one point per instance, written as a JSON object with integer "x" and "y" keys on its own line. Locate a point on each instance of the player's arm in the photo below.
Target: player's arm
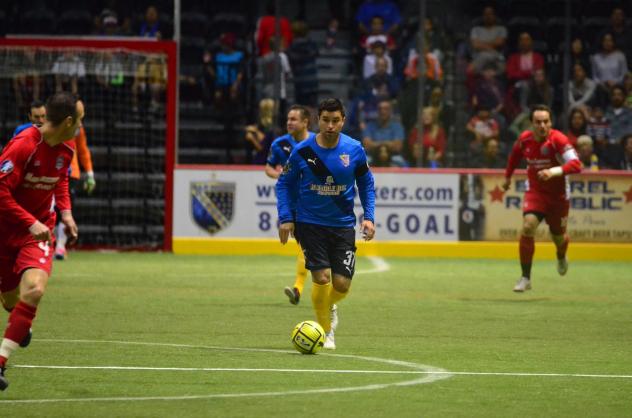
{"x": 366, "y": 191}
{"x": 272, "y": 168}
{"x": 272, "y": 171}
{"x": 572, "y": 163}
{"x": 288, "y": 181}
{"x": 12, "y": 162}
{"x": 62, "y": 201}
{"x": 512, "y": 163}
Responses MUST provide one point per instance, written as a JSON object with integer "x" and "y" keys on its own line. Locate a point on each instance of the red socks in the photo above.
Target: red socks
{"x": 20, "y": 322}
{"x": 527, "y": 248}
{"x": 561, "y": 249}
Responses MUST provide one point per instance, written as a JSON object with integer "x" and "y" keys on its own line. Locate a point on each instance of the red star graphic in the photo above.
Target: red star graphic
{"x": 497, "y": 194}
{"x": 628, "y": 195}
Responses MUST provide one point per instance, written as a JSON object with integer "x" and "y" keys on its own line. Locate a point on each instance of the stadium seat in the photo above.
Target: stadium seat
{"x": 75, "y": 22}
{"x": 194, "y": 24}
{"x": 192, "y": 50}
{"x": 528, "y": 8}
{"x": 555, "y": 29}
{"x": 601, "y": 8}
{"x": 3, "y": 25}
{"x": 228, "y": 22}
{"x": 594, "y": 24}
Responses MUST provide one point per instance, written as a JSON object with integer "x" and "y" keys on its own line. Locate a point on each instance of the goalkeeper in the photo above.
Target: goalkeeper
{"x": 82, "y": 158}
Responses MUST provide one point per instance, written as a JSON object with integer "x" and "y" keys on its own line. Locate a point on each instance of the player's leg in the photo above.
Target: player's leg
{"x": 294, "y": 293}
{"x": 530, "y": 222}
{"x": 557, "y": 219}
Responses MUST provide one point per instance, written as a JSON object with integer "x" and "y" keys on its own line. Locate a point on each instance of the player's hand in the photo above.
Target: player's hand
{"x": 70, "y": 227}
{"x": 545, "y": 174}
{"x": 40, "y": 232}
{"x": 506, "y": 184}
{"x": 368, "y": 230}
{"x": 285, "y": 231}
{"x": 90, "y": 183}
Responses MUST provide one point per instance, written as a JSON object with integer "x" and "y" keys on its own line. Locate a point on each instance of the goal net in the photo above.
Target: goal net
{"x": 129, "y": 95}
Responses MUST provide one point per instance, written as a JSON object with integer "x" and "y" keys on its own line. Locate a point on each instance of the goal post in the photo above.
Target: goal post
{"x": 129, "y": 87}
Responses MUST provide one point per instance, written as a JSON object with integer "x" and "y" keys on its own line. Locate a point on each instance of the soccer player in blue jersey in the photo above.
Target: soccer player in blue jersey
{"x": 297, "y": 124}
{"x": 318, "y": 179}
{"x": 36, "y": 115}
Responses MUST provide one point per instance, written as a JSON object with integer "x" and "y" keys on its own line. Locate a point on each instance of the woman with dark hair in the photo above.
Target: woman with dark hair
{"x": 577, "y": 123}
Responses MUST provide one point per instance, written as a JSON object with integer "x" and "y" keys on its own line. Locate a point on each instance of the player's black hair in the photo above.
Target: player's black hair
{"x": 59, "y": 106}
{"x": 331, "y": 105}
{"x": 540, "y": 107}
{"x": 304, "y": 111}
{"x": 377, "y": 17}
{"x": 35, "y": 104}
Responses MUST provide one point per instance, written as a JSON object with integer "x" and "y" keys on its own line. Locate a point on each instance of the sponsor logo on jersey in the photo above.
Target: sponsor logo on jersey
{"x": 6, "y": 166}
{"x": 345, "y": 159}
{"x": 212, "y": 204}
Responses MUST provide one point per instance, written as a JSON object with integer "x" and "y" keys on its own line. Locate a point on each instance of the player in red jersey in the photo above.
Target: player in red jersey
{"x": 550, "y": 157}
{"x": 33, "y": 179}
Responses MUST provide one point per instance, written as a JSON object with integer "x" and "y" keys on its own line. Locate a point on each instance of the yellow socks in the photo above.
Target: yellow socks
{"x": 301, "y": 272}
{"x": 320, "y": 301}
{"x": 335, "y": 296}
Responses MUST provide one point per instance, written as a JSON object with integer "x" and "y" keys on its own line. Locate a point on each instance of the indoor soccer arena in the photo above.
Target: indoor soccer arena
{"x": 276, "y": 208}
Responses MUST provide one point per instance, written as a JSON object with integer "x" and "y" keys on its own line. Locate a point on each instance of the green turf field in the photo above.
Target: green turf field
{"x": 209, "y": 336}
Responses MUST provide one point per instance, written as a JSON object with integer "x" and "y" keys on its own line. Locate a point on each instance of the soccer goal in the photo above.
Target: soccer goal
{"x": 129, "y": 91}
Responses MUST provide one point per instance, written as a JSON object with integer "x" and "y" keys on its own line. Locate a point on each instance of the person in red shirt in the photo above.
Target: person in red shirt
{"x": 33, "y": 180}
{"x": 266, "y": 29}
{"x": 522, "y": 65}
{"x": 550, "y": 157}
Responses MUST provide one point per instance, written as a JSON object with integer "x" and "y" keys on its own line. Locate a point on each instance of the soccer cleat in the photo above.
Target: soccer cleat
{"x": 330, "y": 343}
{"x": 4, "y": 383}
{"x": 562, "y": 266}
{"x": 60, "y": 254}
{"x": 522, "y": 285}
{"x": 293, "y": 295}
{"x": 27, "y": 340}
{"x": 333, "y": 316}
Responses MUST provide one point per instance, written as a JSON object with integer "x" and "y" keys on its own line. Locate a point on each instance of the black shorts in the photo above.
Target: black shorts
{"x": 327, "y": 247}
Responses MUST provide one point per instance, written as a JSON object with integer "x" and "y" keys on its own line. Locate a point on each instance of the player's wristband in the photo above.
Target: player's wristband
{"x": 556, "y": 171}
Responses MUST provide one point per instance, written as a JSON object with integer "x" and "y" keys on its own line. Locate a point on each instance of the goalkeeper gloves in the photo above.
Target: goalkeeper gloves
{"x": 89, "y": 184}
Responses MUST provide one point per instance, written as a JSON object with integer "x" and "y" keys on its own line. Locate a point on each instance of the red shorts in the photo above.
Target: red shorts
{"x": 553, "y": 208}
{"x": 20, "y": 253}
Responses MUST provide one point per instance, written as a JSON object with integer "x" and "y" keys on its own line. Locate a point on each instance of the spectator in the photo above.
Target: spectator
{"x": 627, "y": 87}
{"x": 598, "y": 129}
{"x": 332, "y": 32}
{"x": 150, "y": 28}
{"x": 624, "y": 162}
{"x": 224, "y": 72}
{"x": 386, "y": 9}
{"x": 109, "y": 23}
{"x": 488, "y": 155}
{"x": 260, "y": 135}
{"x": 27, "y": 83}
{"x": 302, "y": 54}
{"x": 620, "y": 117}
{"x": 620, "y": 33}
{"x": 266, "y": 68}
{"x": 431, "y": 151}
{"x": 537, "y": 91}
{"x": 521, "y": 123}
{"x": 585, "y": 151}
{"x": 385, "y": 131}
{"x": 434, "y": 72}
{"x": 579, "y": 55}
{"x": 381, "y": 85}
{"x": 381, "y": 157}
{"x": 482, "y": 126}
{"x": 489, "y": 93}
{"x": 266, "y": 30}
{"x": 487, "y": 43}
{"x": 69, "y": 69}
{"x": 581, "y": 89}
{"x": 608, "y": 67}
{"x": 577, "y": 124}
{"x": 378, "y": 50}
{"x": 377, "y": 33}
{"x": 150, "y": 82}
{"x": 522, "y": 64}
{"x": 434, "y": 39}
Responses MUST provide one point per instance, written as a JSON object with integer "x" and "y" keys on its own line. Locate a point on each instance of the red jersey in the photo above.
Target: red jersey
{"x": 554, "y": 151}
{"x": 33, "y": 179}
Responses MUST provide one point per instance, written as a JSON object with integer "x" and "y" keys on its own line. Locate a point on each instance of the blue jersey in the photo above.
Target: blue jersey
{"x": 281, "y": 148}
{"x": 322, "y": 181}
{"x": 21, "y": 128}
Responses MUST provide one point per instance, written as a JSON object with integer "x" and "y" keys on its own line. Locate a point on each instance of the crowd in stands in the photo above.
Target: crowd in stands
{"x": 509, "y": 66}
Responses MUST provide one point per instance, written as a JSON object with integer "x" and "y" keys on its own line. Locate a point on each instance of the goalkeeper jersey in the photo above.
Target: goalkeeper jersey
{"x": 320, "y": 182}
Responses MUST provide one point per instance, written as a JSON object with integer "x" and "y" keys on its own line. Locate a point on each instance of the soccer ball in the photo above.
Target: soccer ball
{"x": 308, "y": 337}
